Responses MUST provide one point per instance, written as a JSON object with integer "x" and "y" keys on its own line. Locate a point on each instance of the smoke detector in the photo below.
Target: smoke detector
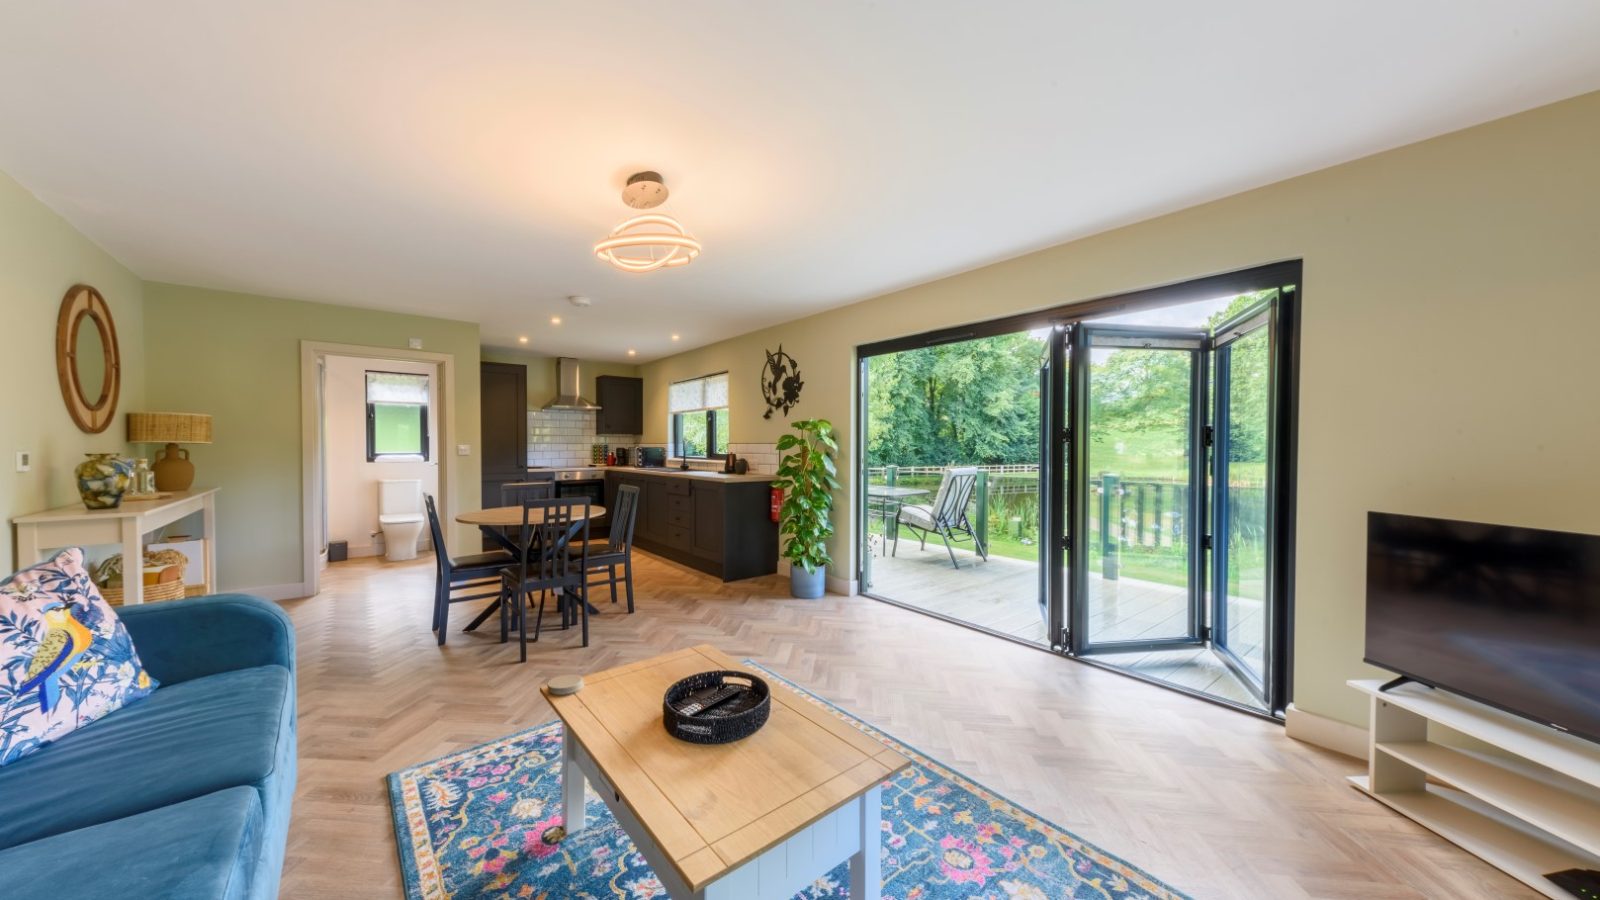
{"x": 644, "y": 190}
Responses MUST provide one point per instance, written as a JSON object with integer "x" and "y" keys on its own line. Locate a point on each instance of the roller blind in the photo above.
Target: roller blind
{"x": 709, "y": 392}
{"x": 397, "y": 387}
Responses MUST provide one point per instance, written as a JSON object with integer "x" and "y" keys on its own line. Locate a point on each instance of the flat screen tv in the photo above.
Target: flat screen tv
{"x": 1506, "y": 616}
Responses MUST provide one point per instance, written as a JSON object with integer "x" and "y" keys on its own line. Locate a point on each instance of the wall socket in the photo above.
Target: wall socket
{"x": 24, "y": 461}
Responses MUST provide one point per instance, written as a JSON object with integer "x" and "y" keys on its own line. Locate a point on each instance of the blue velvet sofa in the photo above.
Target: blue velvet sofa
{"x": 184, "y": 794}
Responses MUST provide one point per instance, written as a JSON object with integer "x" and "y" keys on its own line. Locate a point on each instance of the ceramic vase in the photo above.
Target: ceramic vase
{"x": 103, "y": 478}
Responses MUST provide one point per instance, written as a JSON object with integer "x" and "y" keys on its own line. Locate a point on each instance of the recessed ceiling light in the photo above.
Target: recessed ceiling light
{"x": 632, "y": 352}
{"x": 674, "y": 337}
{"x": 555, "y": 320}
{"x": 523, "y": 339}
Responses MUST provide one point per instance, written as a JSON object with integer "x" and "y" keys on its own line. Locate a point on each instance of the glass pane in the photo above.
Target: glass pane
{"x": 692, "y": 432}
{"x": 970, "y": 403}
{"x": 397, "y": 429}
{"x": 720, "y": 445}
{"x": 1139, "y": 455}
{"x": 1246, "y": 471}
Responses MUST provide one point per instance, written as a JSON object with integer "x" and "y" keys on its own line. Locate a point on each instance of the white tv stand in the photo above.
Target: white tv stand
{"x": 1534, "y": 811}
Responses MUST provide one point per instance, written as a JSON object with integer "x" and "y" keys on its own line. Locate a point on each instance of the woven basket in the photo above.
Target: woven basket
{"x": 172, "y": 590}
{"x": 739, "y": 717}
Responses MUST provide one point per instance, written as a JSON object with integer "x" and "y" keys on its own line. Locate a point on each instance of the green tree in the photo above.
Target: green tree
{"x": 971, "y": 403}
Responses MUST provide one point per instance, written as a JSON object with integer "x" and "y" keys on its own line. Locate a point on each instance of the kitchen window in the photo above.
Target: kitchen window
{"x": 397, "y": 417}
{"x": 699, "y": 410}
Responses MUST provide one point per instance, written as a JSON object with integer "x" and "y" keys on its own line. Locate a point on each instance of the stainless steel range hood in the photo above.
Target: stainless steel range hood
{"x": 568, "y": 395}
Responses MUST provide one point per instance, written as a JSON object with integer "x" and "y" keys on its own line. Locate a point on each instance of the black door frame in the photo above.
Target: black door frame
{"x": 1285, "y": 276}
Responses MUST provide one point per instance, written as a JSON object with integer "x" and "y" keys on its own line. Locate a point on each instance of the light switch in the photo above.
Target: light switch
{"x": 463, "y": 449}
{"x": 414, "y": 343}
{"x": 24, "y": 461}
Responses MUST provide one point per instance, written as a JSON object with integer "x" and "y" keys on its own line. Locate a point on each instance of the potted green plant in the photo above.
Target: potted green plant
{"x": 807, "y": 477}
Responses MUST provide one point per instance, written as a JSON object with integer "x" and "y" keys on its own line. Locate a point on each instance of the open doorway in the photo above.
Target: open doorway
{"x": 1111, "y": 480}
{"x": 375, "y": 421}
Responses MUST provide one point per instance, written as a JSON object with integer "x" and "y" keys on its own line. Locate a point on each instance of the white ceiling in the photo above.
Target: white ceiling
{"x": 459, "y": 159}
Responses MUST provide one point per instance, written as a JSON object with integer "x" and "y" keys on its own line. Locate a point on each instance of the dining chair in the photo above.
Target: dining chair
{"x": 946, "y": 516}
{"x": 453, "y": 573}
{"x": 514, "y": 492}
{"x": 617, "y": 549}
{"x": 549, "y": 528}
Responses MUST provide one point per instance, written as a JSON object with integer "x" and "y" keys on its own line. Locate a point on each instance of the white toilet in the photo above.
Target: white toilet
{"x": 400, "y": 516}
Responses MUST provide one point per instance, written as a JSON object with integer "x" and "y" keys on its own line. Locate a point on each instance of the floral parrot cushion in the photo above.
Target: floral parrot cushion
{"x": 65, "y": 657}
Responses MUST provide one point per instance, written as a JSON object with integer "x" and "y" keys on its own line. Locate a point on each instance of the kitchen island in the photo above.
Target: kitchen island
{"x": 718, "y": 523}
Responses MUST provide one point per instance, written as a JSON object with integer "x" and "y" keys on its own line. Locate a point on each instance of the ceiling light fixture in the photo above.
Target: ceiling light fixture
{"x": 674, "y": 337}
{"x": 555, "y": 320}
{"x": 523, "y": 339}
{"x": 651, "y": 241}
{"x": 632, "y": 352}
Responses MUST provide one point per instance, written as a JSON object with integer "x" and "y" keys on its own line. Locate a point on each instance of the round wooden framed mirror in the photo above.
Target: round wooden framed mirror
{"x": 87, "y": 359}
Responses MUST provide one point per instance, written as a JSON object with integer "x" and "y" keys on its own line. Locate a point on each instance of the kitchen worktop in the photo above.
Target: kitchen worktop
{"x": 697, "y": 474}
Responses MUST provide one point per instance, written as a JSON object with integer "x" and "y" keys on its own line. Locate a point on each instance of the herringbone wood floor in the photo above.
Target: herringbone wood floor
{"x": 1217, "y": 803}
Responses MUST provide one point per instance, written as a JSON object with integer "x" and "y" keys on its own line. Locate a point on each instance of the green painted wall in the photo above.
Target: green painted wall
{"x": 542, "y": 372}
{"x": 41, "y": 256}
{"x": 1448, "y": 344}
{"x": 237, "y": 357}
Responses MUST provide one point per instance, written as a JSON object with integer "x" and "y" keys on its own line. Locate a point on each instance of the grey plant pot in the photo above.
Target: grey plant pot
{"x": 808, "y": 585}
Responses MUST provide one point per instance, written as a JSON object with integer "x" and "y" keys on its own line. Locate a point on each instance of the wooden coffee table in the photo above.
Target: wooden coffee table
{"x": 757, "y": 819}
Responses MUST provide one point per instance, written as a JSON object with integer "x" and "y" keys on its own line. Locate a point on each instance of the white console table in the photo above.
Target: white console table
{"x": 1529, "y": 812}
{"x": 76, "y": 526}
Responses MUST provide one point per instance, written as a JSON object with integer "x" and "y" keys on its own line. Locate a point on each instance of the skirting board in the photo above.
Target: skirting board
{"x": 1329, "y": 734}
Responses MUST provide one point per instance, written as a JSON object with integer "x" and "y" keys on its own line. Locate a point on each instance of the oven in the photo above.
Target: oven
{"x": 595, "y": 490}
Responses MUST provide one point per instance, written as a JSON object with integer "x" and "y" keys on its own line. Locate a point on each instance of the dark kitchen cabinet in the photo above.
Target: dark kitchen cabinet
{"x": 722, "y": 528}
{"x": 655, "y": 509}
{"x": 503, "y": 439}
{"x": 709, "y": 522}
{"x": 621, "y": 402}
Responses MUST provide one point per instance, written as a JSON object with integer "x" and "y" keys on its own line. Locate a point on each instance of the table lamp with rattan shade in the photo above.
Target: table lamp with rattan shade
{"x": 174, "y": 471}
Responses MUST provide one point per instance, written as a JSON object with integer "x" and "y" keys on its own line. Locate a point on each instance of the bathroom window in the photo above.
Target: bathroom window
{"x": 699, "y": 409}
{"x": 397, "y": 417}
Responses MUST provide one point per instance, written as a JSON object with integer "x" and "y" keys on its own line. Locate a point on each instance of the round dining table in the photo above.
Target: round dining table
{"x": 496, "y": 517}
{"x": 493, "y": 522}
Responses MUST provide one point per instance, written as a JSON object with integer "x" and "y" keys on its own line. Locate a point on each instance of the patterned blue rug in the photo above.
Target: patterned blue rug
{"x": 486, "y": 822}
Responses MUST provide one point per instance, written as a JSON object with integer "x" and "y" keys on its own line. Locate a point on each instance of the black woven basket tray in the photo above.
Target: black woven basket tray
{"x": 739, "y": 714}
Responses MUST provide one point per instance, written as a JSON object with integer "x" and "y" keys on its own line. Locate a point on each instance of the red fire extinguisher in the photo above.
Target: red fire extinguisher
{"x": 777, "y": 502}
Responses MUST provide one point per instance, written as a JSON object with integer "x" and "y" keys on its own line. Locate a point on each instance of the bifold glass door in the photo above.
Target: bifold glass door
{"x": 1140, "y": 524}
{"x": 1242, "y": 522}
{"x": 1137, "y": 582}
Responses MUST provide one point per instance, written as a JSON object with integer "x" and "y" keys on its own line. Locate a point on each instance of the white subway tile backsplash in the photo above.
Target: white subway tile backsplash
{"x": 564, "y": 437}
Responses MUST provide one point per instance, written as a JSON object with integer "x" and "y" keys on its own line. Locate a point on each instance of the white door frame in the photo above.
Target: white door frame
{"x": 312, "y": 353}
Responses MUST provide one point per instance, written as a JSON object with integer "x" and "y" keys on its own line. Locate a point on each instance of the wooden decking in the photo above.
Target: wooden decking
{"x": 1002, "y": 595}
